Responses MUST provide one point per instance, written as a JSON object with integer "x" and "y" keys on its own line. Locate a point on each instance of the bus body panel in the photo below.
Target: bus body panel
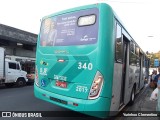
{"x": 49, "y": 69}
{"x": 51, "y": 56}
{"x": 84, "y": 106}
{"x": 77, "y": 65}
{"x": 106, "y": 48}
{"x": 116, "y": 88}
{"x": 134, "y": 76}
{"x": 78, "y": 81}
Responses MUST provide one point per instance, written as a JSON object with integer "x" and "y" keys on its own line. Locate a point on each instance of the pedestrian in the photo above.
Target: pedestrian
{"x": 158, "y": 82}
{"x": 152, "y": 77}
{"x": 158, "y": 86}
{"x": 156, "y": 77}
{"x": 154, "y": 73}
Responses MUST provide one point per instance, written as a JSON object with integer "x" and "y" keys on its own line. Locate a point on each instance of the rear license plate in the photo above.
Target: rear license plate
{"x": 61, "y": 84}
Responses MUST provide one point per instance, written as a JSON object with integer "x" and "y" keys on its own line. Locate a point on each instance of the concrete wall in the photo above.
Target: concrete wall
{"x": 16, "y": 35}
{"x": 18, "y": 51}
{"x": 12, "y": 36}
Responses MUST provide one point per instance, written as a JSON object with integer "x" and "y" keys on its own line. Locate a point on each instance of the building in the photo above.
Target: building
{"x": 19, "y": 45}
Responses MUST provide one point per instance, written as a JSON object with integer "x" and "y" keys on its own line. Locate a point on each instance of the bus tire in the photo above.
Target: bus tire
{"x": 20, "y": 82}
{"x": 132, "y": 98}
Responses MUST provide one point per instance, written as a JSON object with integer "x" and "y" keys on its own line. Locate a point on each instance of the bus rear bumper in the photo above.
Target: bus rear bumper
{"x": 98, "y": 107}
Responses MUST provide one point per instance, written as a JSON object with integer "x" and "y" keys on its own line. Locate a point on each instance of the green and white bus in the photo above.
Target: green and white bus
{"x": 86, "y": 61}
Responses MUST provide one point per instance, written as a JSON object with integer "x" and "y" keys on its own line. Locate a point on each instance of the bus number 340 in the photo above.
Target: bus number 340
{"x": 85, "y": 66}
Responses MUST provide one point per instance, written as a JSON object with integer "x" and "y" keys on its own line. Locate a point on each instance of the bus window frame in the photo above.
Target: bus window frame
{"x": 132, "y": 53}
{"x": 137, "y": 51}
{"x": 121, "y": 50}
{"x": 132, "y": 47}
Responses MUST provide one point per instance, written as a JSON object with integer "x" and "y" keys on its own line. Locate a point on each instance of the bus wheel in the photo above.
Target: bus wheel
{"x": 20, "y": 82}
{"x": 132, "y": 98}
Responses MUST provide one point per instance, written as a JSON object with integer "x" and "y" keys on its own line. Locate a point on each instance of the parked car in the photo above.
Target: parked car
{"x": 30, "y": 76}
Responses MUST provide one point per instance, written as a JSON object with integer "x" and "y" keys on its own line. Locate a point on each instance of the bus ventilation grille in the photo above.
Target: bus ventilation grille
{"x": 58, "y": 100}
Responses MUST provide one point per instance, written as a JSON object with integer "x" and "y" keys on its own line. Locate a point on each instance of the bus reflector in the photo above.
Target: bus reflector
{"x": 36, "y": 77}
{"x": 96, "y": 86}
{"x": 75, "y": 104}
{"x": 60, "y": 60}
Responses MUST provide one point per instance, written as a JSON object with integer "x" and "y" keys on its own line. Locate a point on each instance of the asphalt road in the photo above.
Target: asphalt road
{"x": 22, "y": 99}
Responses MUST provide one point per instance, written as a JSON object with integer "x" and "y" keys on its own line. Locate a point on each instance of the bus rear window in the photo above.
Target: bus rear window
{"x": 76, "y": 28}
{"x": 87, "y": 20}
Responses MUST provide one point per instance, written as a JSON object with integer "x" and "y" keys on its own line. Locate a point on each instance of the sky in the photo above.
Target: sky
{"x": 140, "y": 17}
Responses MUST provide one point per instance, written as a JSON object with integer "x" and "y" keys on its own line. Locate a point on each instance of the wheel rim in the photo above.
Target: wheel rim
{"x": 20, "y": 83}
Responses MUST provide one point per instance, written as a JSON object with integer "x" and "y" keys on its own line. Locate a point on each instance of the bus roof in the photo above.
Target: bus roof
{"x": 72, "y": 10}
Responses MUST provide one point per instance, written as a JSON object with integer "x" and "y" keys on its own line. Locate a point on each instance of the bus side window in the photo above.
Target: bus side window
{"x": 133, "y": 57}
{"x": 132, "y": 47}
{"x": 138, "y": 57}
{"x": 144, "y": 62}
{"x": 137, "y": 51}
{"x": 118, "y": 47}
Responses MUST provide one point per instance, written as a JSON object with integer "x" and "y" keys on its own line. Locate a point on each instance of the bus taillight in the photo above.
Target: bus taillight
{"x": 75, "y": 104}
{"x": 36, "y": 77}
{"x": 60, "y": 60}
{"x": 96, "y": 86}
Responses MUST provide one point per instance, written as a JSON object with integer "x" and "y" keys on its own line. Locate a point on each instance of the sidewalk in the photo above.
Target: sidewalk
{"x": 147, "y": 104}
{"x": 142, "y": 104}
